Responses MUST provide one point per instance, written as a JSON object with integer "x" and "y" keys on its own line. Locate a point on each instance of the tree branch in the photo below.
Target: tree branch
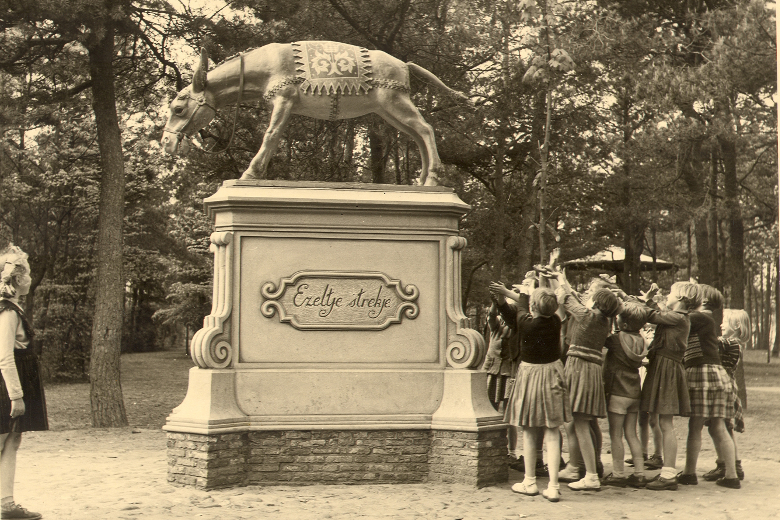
{"x": 355, "y": 25}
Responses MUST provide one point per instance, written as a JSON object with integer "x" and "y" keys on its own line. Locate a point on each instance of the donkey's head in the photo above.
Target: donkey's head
{"x": 192, "y": 109}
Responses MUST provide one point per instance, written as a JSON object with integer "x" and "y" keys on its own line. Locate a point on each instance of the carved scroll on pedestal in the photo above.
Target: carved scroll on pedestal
{"x": 210, "y": 346}
{"x": 465, "y": 346}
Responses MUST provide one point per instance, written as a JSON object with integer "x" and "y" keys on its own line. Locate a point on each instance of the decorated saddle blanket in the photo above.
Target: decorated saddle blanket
{"x": 332, "y": 67}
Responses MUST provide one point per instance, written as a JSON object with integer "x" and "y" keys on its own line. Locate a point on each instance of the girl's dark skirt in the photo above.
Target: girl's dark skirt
{"x": 665, "y": 389}
{"x": 739, "y": 417}
{"x": 539, "y": 397}
{"x": 34, "y": 418}
{"x": 585, "y": 383}
{"x": 496, "y": 387}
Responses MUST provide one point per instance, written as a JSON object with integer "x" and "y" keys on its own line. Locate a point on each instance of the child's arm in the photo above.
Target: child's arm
{"x": 508, "y": 313}
{"x": 651, "y": 292}
{"x": 498, "y": 289}
{"x": 659, "y": 317}
{"x": 8, "y": 324}
{"x": 492, "y": 316}
{"x": 566, "y": 296}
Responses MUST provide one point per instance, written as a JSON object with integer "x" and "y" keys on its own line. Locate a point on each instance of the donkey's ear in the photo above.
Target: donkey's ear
{"x": 199, "y": 79}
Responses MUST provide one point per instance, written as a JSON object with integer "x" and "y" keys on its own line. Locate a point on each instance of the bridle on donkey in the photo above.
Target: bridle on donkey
{"x": 200, "y": 99}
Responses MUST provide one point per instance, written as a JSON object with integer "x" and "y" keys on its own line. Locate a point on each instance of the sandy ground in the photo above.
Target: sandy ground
{"x": 118, "y": 474}
{"x": 78, "y": 472}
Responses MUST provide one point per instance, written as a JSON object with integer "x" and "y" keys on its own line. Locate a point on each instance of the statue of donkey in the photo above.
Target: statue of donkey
{"x": 324, "y": 80}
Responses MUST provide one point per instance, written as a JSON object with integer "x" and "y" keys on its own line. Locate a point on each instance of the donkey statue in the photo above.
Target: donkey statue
{"x": 319, "y": 79}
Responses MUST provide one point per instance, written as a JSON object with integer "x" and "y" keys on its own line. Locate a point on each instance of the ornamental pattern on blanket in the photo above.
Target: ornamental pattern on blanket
{"x": 332, "y": 67}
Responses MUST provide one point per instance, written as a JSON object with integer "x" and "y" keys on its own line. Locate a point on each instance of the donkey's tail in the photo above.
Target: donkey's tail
{"x": 430, "y": 77}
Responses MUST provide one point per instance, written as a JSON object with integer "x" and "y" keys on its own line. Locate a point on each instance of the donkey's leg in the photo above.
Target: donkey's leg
{"x": 396, "y": 106}
{"x": 280, "y": 116}
{"x": 411, "y": 133}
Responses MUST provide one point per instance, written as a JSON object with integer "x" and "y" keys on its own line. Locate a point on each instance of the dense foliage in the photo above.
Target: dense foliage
{"x": 662, "y": 139}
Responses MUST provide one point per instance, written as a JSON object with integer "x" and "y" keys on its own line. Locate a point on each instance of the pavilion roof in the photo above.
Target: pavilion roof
{"x": 611, "y": 259}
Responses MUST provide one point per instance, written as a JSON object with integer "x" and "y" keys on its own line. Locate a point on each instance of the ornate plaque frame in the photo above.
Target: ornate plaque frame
{"x": 273, "y": 293}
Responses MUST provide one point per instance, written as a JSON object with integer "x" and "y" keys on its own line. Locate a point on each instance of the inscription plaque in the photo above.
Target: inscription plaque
{"x": 337, "y": 300}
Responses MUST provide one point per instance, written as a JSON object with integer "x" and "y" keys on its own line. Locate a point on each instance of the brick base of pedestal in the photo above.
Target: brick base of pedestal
{"x": 207, "y": 461}
{"x": 474, "y": 458}
{"x": 337, "y": 457}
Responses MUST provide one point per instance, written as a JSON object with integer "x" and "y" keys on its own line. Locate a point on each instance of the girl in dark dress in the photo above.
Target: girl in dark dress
{"x": 22, "y": 402}
{"x": 539, "y": 402}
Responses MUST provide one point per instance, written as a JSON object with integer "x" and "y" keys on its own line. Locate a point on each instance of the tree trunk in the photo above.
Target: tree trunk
{"x": 497, "y": 257}
{"x": 748, "y": 281}
{"x": 377, "y": 147}
{"x": 349, "y": 150}
{"x": 693, "y": 174}
{"x": 776, "y": 348}
{"x": 655, "y": 258}
{"x": 712, "y": 223}
{"x": 704, "y": 259}
{"x": 758, "y": 305}
{"x": 767, "y": 306}
{"x": 397, "y": 159}
{"x": 107, "y": 404}
{"x": 545, "y": 155}
{"x": 633, "y": 244}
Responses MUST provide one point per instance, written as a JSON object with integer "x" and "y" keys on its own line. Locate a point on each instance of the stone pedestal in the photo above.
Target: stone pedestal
{"x": 337, "y": 349}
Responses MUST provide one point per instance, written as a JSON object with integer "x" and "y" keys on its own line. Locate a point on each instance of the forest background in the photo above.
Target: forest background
{"x": 648, "y": 125}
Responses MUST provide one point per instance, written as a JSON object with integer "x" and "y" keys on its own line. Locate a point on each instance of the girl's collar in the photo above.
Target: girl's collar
{"x": 15, "y": 303}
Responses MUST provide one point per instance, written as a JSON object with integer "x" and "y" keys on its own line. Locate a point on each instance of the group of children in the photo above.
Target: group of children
{"x": 564, "y": 379}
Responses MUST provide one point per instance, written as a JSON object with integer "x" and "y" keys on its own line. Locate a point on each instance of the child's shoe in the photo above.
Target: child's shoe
{"x": 715, "y": 474}
{"x": 740, "y": 471}
{"x": 518, "y": 464}
{"x": 654, "y": 462}
{"x": 569, "y": 474}
{"x": 552, "y": 494}
{"x": 541, "y": 469}
{"x": 524, "y": 489}
{"x": 663, "y": 484}
{"x": 586, "y": 484}
{"x": 636, "y": 481}
{"x": 687, "y": 479}
{"x": 18, "y": 512}
{"x": 612, "y": 480}
{"x": 732, "y": 483}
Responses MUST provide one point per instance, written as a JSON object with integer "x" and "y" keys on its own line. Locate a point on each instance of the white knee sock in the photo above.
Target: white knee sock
{"x": 668, "y": 472}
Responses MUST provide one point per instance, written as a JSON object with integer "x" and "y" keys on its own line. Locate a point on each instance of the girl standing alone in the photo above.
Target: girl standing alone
{"x": 22, "y": 402}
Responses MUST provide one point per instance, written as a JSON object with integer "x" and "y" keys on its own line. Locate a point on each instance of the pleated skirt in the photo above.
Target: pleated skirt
{"x": 711, "y": 391}
{"x": 35, "y": 417}
{"x": 585, "y": 384}
{"x": 539, "y": 397}
{"x": 665, "y": 389}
